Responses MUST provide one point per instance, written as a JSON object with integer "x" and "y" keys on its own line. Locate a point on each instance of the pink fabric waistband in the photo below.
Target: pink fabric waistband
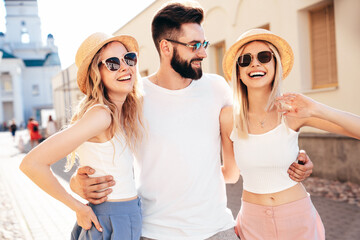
{"x": 284, "y": 210}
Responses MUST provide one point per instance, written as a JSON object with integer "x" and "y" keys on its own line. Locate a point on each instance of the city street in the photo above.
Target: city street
{"x": 26, "y": 212}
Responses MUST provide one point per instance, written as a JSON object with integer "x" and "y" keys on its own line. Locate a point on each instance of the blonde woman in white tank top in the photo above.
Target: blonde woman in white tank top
{"x": 260, "y": 134}
{"x": 103, "y": 131}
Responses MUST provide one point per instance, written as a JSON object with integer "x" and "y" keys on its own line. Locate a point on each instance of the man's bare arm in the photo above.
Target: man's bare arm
{"x": 91, "y": 189}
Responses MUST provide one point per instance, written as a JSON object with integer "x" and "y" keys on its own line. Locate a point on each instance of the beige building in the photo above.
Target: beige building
{"x": 66, "y": 94}
{"x": 320, "y": 32}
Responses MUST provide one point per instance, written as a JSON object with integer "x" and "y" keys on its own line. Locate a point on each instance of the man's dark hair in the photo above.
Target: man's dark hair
{"x": 168, "y": 20}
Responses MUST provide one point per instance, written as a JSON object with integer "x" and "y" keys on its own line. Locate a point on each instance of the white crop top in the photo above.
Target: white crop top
{"x": 114, "y": 158}
{"x": 263, "y": 159}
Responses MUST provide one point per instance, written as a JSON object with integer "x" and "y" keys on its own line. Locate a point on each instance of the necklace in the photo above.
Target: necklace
{"x": 262, "y": 122}
{"x": 256, "y": 119}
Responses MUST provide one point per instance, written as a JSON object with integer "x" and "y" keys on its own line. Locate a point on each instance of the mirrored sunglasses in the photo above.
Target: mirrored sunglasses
{"x": 194, "y": 47}
{"x": 246, "y": 59}
{"x": 113, "y": 63}
{"x": 198, "y": 45}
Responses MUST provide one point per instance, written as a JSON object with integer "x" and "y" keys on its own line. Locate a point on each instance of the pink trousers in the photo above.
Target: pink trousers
{"x": 292, "y": 221}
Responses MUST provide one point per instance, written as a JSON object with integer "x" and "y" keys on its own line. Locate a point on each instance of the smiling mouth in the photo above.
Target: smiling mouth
{"x": 196, "y": 62}
{"x": 257, "y": 74}
{"x": 124, "y": 78}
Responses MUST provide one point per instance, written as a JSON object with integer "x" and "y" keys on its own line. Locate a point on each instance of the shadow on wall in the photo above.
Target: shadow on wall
{"x": 335, "y": 157}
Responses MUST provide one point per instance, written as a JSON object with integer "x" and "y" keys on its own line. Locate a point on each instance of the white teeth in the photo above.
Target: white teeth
{"x": 125, "y": 78}
{"x": 257, "y": 74}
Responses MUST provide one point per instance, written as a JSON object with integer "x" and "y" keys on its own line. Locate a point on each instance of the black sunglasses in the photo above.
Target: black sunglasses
{"x": 263, "y": 57}
{"x": 113, "y": 63}
{"x": 194, "y": 47}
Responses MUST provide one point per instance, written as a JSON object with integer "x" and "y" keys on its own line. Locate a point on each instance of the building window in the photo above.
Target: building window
{"x": 25, "y": 37}
{"x": 8, "y": 111}
{"x": 6, "y": 83}
{"x": 219, "y": 51}
{"x": 323, "y": 47}
{"x": 35, "y": 90}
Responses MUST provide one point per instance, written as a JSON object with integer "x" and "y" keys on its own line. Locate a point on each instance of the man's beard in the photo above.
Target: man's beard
{"x": 184, "y": 68}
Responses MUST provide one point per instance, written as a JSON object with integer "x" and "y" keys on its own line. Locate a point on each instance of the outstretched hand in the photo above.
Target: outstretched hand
{"x": 299, "y": 171}
{"x": 95, "y": 190}
{"x": 295, "y": 105}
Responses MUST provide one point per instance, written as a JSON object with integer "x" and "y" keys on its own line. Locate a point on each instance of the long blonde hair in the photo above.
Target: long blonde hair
{"x": 129, "y": 123}
{"x": 240, "y": 93}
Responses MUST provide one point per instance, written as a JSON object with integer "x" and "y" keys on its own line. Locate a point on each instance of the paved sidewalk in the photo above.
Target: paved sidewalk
{"x": 41, "y": 217}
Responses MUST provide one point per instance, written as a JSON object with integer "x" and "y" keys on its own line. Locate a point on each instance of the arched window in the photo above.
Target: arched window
{"x": 25, "y": 37}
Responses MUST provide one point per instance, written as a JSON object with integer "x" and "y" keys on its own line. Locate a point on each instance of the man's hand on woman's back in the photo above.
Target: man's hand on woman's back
{"x": 95, "y": 190}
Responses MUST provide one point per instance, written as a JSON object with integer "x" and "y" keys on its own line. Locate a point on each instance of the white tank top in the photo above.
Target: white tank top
{"x": 263, "y": 159}
{"x": 114, "y": 158}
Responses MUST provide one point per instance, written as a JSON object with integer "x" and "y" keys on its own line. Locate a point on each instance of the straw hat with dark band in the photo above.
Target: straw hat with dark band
{"x": 285, "y": 51}
{"x": 91, "y": 46}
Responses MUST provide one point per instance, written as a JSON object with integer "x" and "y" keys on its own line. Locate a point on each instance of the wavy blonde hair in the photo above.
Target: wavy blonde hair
{"x": 129, "y": 123}
{"x": 240, "y": 93}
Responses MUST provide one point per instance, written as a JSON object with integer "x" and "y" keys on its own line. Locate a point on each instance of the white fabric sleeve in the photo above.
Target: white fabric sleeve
{"x": 226, "y": 91}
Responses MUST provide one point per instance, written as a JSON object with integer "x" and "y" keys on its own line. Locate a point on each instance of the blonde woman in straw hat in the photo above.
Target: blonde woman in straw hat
{"x": 103, "y": 132}
{"x": 260, "y": 139}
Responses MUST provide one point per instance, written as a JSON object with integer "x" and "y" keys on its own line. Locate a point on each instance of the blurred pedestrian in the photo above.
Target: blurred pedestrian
{"x": 35, "y": 136}
{"x": 13, "y": 129}
{"x": 4, "y": 126}
{"x": 51, "y": 127}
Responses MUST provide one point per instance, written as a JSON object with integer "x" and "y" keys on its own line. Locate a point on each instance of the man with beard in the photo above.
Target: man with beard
{"x": 179, "y": 178}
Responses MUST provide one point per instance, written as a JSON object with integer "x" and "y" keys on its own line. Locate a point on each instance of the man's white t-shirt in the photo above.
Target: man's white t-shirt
{"x": 179, "y": 178}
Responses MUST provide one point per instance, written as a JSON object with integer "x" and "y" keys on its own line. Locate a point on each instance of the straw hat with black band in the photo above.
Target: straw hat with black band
{"x": 91, "y": 46}
{"x": 284, "y": 49}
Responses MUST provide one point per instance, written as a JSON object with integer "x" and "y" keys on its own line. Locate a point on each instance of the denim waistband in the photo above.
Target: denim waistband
{"x": 116, "y": 208}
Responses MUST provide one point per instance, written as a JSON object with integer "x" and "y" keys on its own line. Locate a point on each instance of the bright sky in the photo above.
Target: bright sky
{"x": 71, "y": 21}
